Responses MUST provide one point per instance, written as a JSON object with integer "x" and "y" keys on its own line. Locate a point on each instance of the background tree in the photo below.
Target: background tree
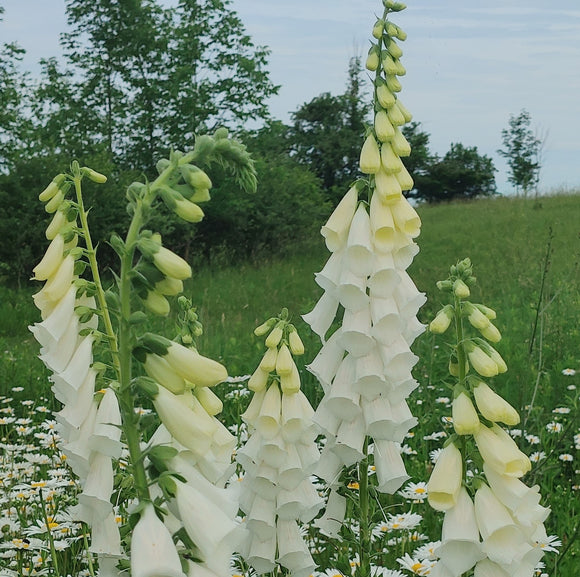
{"x": 421, "y": 160}
{"x": 522, "y": 149}
{"x": 461, "y": 174}
{"x": 327, "y": 133}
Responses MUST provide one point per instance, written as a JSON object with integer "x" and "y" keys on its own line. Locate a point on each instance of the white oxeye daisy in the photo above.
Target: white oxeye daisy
{"x": 561, "y": 410}
{"x": 415, "y": 491}
{"x": 537, "y": 456}
{"x": 533, "y": 439}
{"x": 568, "y": 372}
{"x": 416, "y": 566}
{"x": 554, "y": 427}
{"x": 566, "y": 457}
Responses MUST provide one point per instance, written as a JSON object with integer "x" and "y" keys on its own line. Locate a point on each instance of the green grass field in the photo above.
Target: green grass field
{"x": 526, "y": 256}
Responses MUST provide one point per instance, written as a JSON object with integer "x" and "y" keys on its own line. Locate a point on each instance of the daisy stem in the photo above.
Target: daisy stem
{"x": 364, "y": 516}
{"x": 53, "y": 555}
{"x": 91, "y": 567}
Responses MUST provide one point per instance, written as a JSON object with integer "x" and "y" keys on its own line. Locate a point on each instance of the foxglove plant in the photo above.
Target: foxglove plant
{"x": 494, "y": 523}
{"x": 90, "y": 341}
{"x": 364, "y": 365}
{"x": 277, "y": 492}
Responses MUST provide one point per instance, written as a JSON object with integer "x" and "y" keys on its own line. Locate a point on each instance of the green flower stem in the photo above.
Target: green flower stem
{"x": 364, "y": 514}
{"x": 92, "y": 256}
{"x": 461, "y": 356}
{"x": 53, "y": 555}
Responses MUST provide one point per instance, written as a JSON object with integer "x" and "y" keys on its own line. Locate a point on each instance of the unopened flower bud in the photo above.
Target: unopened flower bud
{"x": 494, "y": 407}
{"x": 400, "y": 144}
{"x": 171, "y": 264}
{"x": 489, "y": 313}
{"x": 442, "y": 320}
{"x": 465, "y": 419}
{"x": 475, "y": 317}
{"x": 295, "y": 343}
{"x": 274, "y": 338}
{"x": 52, "y": 188}
{"x": 268, "y": 362}
{"x": 480, "y": 361}
{"x": 372, "y": 62}
{"x": 491, "y": 333}
{"x": 258, "y": 380}
{"x": 394, "y": 49}
{"x": 378, "y": 28}
{"x": 265, "y": 327}
{"x": 188, "y": 211}
{"x": 383, "y": 127}
{"x": 393, "y": 83}
{"x": 385, "y": 97}
{"x": 284, "y": 360}
{"x": 370, "y": 157}
{"x": 195, "y": 177}
{"x": 460, "y": 289}
{"x": 94, "y": 175}
{"x": 290, "y": 383}
{"x": 157, "y": 304}
{"x": 53, "y": 204}
{"x": 388, "y": 63}
{"x": 445, "y": 285}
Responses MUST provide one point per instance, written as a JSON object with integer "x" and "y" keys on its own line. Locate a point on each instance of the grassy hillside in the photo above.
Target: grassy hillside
{"x": 526, "y": 256}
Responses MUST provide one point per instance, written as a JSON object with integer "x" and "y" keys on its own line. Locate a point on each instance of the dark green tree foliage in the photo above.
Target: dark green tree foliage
{"x": 522, "y": 151}
{"x": 14, "y": 126}
{"x": 328, "y": 131}
{"x": 461, "y": 174}
{"x": 421, "y": 160}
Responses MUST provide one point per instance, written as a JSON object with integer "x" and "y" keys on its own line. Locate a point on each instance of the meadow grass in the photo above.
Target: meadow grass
{"x": 526, "y": 255}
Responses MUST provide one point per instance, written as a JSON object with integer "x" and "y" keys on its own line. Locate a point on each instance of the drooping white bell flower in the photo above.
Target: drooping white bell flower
{"x": 153, "y": 553}
{"x": 460, "y": 547}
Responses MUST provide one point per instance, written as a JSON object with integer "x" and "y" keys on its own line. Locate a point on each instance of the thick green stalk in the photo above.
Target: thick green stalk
{"x": 92, "y": 256}
{"x": 364, "y": 514}
{"x": 461, "y": 356}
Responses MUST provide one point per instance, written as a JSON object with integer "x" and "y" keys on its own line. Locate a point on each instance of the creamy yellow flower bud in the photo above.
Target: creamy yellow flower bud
{"x": 195, "y": 177}
{"x": 268, "y": 362}
{"x": 169, "y": 286}
{"x": 497, "y": 358}
{"x": 94, "y": 175}
{"x": 460, "y": 289}
{"x": 393, "y": 83}
{"x": 284, "y": 360}
{"x": 404, "y": 178}
{"x": 465, "y": 419}
{"x": 442, "y": 320}
{"x": 265, "y": 327}
{"x": 370, "y": 157}
{"x": 390, "y": 162}
{"x": 290, "y": 383}
{"x": 500, "y": 452}
{"x": 387, "y": 187}
{"x": 157, "y": 304}
{"x": 295, "y": 343}
{"x": 161, "y": 372}
{"x": 394, "y": 49}
{"x": 385, "y": 97}
{"x": 195, "y": 368}
{"x": 388, "y": 63}
{"x": 491, "y": 333}
{"x": 258, "y": 380}
{"x": 209, "y": 400}
{"x": 188, "y": 211}
{"x": 494, "y": 407}
{"x": 275, "y": 336}
{"x": 475, "y": 317}
{"x": 480, "y": 361}
{"x": 489, "y": 313}
{"x": 378, "y": 28}
{"x": 53, "y": 204}
{"x": 383, "y": 127}
{"x": 200, "y": 195}
{"x": 57, "y": 223}
{"x": 171, "y": 264}
{"x": 400, "y": 144}
{"x": 406, "y": 114}
{"x": 395, "y": 115}
{"x": 400, "y": 70}
{"x": 372, "y": 62}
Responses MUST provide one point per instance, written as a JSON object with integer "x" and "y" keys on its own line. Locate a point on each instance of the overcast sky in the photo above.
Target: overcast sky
{"x": 470, "y": 64}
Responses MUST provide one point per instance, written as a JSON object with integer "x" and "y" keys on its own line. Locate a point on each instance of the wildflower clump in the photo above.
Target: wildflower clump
{"x": 366, "y": 317}
{"x": 493, "y": 521}
{"x": 277, "y": 493}
{"x": 168, "y": 471}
